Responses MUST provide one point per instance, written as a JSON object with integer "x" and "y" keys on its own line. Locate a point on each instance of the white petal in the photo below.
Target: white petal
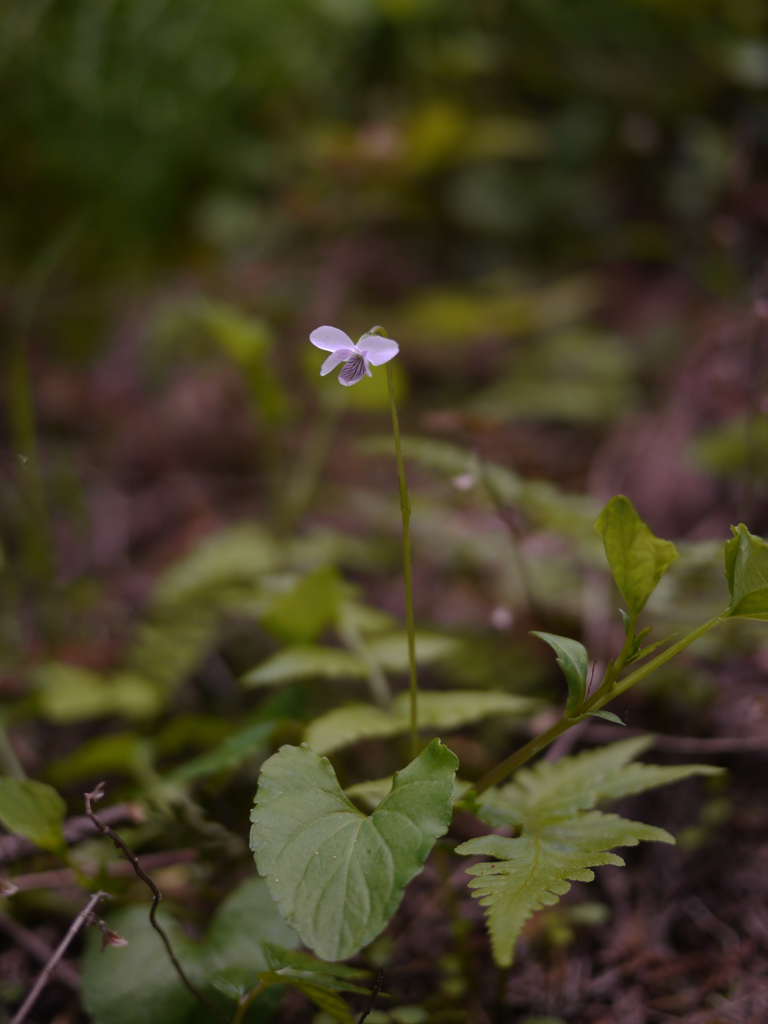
{"x": 378, "y": 350}
{"x": 330, "y": 339}
{"x": 333, "y": 360}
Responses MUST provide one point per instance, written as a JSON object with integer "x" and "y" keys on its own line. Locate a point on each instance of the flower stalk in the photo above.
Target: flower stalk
{"x": 405, "y": 509}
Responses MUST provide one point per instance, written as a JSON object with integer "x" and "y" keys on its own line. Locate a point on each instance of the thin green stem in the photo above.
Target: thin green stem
{"x": 640, "y": 673}
{"x": 617, "y": 666}
{"x": 245, "y": 1001}
{"x": 405, "y": 508}
{"x": 600, "y": 698}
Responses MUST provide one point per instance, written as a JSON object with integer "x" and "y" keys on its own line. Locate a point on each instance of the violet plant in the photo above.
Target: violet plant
{"x": 338, "y": 874}
{"x": 335, "y": 873}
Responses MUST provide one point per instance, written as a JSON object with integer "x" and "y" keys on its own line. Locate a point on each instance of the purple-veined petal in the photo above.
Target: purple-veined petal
{"x": 330, "y": 339}
{"x": 333, "y": 360}
{"x": 378, "y": 350}
{"x": 354, "y": 370}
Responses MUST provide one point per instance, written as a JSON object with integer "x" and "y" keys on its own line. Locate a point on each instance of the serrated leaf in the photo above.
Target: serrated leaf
{"x": 303, "y": 663}
{"x": 562, "y": 837}
{"x": 536, "y": 868}
{"x": 337, "y": 874}
{"x": 637, "y": 558}
{"x": 573, "y": 660}
{"x": 607, "y": 715}
{"x": 746, "y": 569}
{"x": 436, "y": 710}
{"x": 552, "y": 790}
{"x": 301, "y": 614}
{"x": 33, "y": 810}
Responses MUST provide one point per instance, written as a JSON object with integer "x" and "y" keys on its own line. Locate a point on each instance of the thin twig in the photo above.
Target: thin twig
{"x": 75, "y": 830}
{"x": 115, "y": 869}
{"x": 90, "y": 798}
{"x": 39, "y": 949}
{"x": 681, "y": 744}
{"x": 376, "y": 989}
{"x": 58, "y": 953}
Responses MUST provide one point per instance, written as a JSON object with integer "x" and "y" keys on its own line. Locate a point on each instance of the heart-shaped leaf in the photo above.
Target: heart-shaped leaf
{"x": 337, "y": 874}
{"x": 746, "y": 569}
{"x": 572, "y": 659}
{"x": 637, "y": 558}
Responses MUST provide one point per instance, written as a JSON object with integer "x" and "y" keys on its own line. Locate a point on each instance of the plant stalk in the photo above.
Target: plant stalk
{"x": 601, "y": 697}
{"x": 245, "y": 1001}
{"x": 405, "y": 508}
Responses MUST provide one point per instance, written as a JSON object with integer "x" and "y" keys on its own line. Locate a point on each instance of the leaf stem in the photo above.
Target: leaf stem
{"x": 245, "y": 1001}
{"x": 405, "y": 508}
{"x": 601, "y": 697}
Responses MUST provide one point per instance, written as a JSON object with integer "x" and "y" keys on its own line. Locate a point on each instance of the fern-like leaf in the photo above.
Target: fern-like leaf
{"x": 561, "y": 836}
{"x": 536, "y": 869}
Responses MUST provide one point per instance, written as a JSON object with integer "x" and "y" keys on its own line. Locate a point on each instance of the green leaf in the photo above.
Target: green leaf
{"x": 338, "y": 728}
{"x": 337, "y": 976}
{"x": 302, "y": 614}
{"x": 305, "y": 663}
{"x": 319, "y": 981}
{"x": 372, "y": 792}
{"x": 69, "y": 693}
{"x": 33, "y": 810}
{"x": 248, "y": 341}
{"x": 746, "y": 569}
{"x": 337, "y": 874}
{"x": 607, "y": 715}
{"x": 237, "y": 555}
{"x": 637, "y": 559}
{"x": 438, "y": 710}
{"x": 535, "y": 869}
{"x": 573, "y": 660}
{"x": 391, "y": 651}
{"x": 119, "y": 753}
{"x": 229, "y": 754}
{"x": 324, "y": 998}
{"x": 171, "y": 644}
{"x": 551, "y": 790}
{"x": 561, "y": 836}
{"x": 137, "y": 984}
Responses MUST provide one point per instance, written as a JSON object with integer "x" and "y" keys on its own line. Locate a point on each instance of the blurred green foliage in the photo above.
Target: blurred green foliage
{"x": 171, "y": 125}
